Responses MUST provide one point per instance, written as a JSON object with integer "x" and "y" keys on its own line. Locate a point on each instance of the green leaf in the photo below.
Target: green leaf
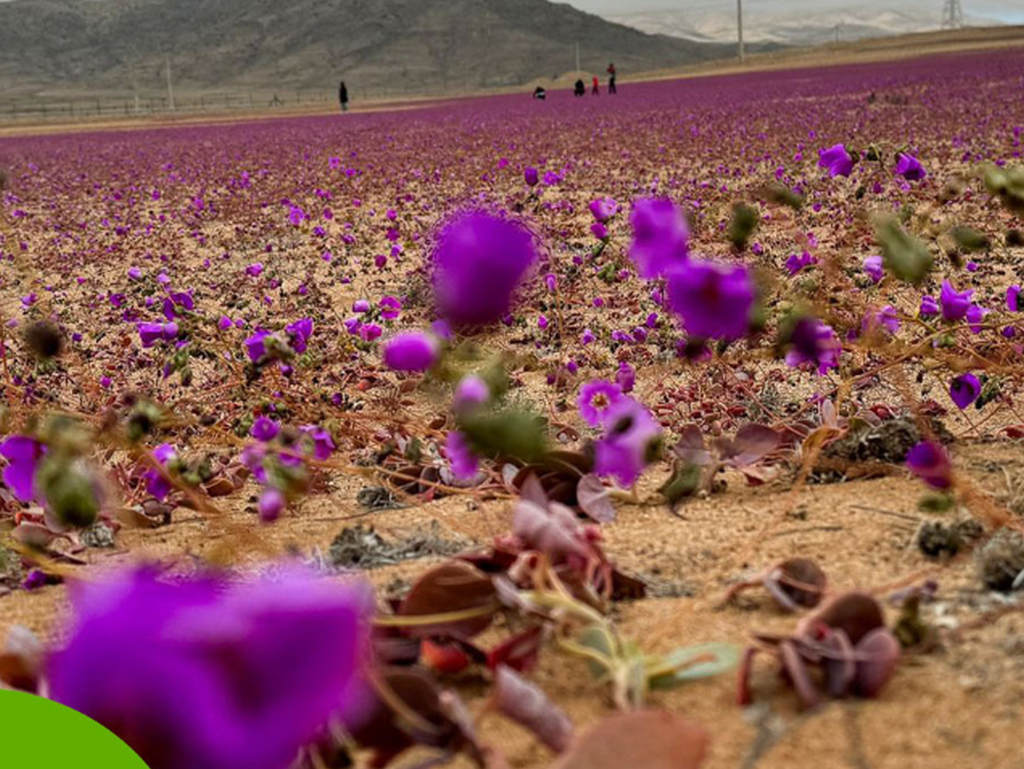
{"x": 969, "y": 239}
{"x": 744, "y": 221}
{"x": 510, "y": 433}
{"x": 936, "y": 503}
{"x": 600, "y": 640}
{"x": 684, "y": 482}
{"x": 906, "y": 257}
{"x": 691, "y": 663}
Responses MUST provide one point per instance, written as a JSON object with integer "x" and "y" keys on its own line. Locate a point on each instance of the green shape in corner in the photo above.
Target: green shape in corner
{"x": 42, "y": 734}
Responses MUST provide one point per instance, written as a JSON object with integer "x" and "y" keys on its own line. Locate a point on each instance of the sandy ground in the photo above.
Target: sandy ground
{"x": 960, "y": 705}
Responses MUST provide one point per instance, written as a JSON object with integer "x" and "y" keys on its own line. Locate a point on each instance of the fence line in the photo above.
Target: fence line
{"x": 47, "y": 109}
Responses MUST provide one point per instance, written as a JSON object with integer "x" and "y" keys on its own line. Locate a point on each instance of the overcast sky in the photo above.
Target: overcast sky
{"x": 1007, "y": 10}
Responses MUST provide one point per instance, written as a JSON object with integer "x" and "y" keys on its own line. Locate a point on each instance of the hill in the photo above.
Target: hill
{"x": 393, "y": 46}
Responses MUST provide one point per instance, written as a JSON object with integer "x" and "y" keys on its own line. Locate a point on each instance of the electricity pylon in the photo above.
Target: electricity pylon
{"x": 952, "y": 14}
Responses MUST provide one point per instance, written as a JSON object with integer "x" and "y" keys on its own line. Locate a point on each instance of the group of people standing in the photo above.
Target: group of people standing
{"x": 580, "y": 88}
{"x": 538, "y": 93}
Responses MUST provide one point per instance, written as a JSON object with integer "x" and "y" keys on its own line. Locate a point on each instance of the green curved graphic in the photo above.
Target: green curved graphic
{"x": 47, "y": 735}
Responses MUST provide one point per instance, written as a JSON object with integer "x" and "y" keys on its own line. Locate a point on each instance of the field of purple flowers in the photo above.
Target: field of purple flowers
{"x": 675, "y": 428}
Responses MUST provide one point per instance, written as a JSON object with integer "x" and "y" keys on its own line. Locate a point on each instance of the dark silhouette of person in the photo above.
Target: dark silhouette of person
{"x": 580, "y": 89}
{"x": 611, "y": 79}
{"x": 343, "y": 96}
{"x": 596, "y": 90}
{"x": 540, "y": 93}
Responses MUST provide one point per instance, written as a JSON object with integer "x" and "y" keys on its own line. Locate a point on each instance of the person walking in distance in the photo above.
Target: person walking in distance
{"x": 596, "y": 90}
{"x": 343, "y": 96}
{"x": 611, "y": 79}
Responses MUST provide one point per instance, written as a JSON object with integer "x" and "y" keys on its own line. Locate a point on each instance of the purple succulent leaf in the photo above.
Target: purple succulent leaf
{"x": 529, "y": 706}
{"x": 593, "y": 499}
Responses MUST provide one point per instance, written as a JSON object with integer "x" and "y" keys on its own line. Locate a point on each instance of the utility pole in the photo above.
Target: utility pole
{"x": 577, "y": 56}
{"x": 170, "y": 86}
{"x": 952, "y": 14}
{"x": 739, "y": 29}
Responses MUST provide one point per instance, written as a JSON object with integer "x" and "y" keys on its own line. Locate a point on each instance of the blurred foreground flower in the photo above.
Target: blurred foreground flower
{"x": 660, "y": 237}
{"x": 632, "y": 440}
{"x": 479, "y": 261}
{"x": 930, "y": 462}
{"x": 714, "y": 300}
{"x": 208, "y": 674}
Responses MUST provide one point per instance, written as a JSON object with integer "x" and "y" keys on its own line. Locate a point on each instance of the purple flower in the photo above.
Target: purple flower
{"x": 964, "y": 390}
{"x": 551, "y": 178}
{"x": 542, "y": 322}
{"x": 135, "y": 273}
{"x": 603, "y": 209}
{"x": 531, "y": 176}
{"x": 954, "y": 304}
{"x": 390, "y": 307}
{"x": 272, "y": 502}
{"x": 410, "y": 351}
{"x": 479, "y": 261}
{"x": 873, "y": 267}
{"x": 22, "y": 454}
{"x": 599, "y": 231}
{"x": 361, "y": 305}
{"x": 929, "y": 307}
{"x": 157, "y": 486}
{"x": 910, "y": 168}
{"x": 975, "y": 315}
{"x": 471, "y": 392}
{"x": 596, "y": 397}
{"x": 254, "y": 270}
{"x": 587, "y": 337}
{"x": 714, "y": 300}
{"x": 661, "y": 237}
{"x": 795, "y": 264}
{"x": 625, "y": 377}
{"x": 1013, "y": 299}
{"x": 323, "y": 443}
{"x": 886, "y": 318}
{"x": 837, "y": 160}
{"x": 930, "y": 462}
{"x": 255, "y": 346}
{"x": 630, "y": 443}
{"x": 813, "y": 342}
{"x": 264, "y": 429}
{"x": 299, "y": 332}
{"x": 210, "y": 673}
{"x": 464, "y": 462}
{"x": 151, "y": 333}
{"x": 370, "y": 331}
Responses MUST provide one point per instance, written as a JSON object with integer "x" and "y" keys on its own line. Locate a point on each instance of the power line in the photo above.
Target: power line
{"x": 952, "y": 14}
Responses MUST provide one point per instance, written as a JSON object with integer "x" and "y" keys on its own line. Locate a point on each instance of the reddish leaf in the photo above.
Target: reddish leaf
{"x": 878, "y": 654}
{"x": 593, "y": 499}
{"x": 691, "y": 448}
{"x": 444, "y": 658}
{"x": 752, "y": 444}
{"x": 518, "y": 652}
{"x": 527, "y": 705}
{"x": 454, "y": 586}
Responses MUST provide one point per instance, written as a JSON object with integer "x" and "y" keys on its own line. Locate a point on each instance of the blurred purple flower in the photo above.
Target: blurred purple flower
{"x": 210, "y": 673}
{"x": 157, "y": 486}
{"x": 272, "y": 502}
{"x": 660, "y": 237}
{"x": 410, "y": 351}
{"x": 22, "y": 454}
{"x": 630, "y": 443}
{"x": 929, "y": 307}
{"x": 930, "y": 462}
{"x": 471, "y": 392}
{"x": 463, "y": 461}
{"x": 795, "y": 263}
{"x": 603, "y": 209}
{"x": 714, "y": 300}
{"x": 531, "y": 176}
{"x": 596, "y": 397}
{"x": 625, "y": 377}
{"x": 964, "y": 390}
{"x": 1013, "y": 299}
{"x": 954, "y": 304}
{"x": 873, "y": 267}
{"x": 478, "y": 262}
{"x": 910, "y": 168}
{"x": 255, "y": 346}
{"x": 264, "y": 429}
{"x": 837, "y": 160}
{"x": 813, "y": 342}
